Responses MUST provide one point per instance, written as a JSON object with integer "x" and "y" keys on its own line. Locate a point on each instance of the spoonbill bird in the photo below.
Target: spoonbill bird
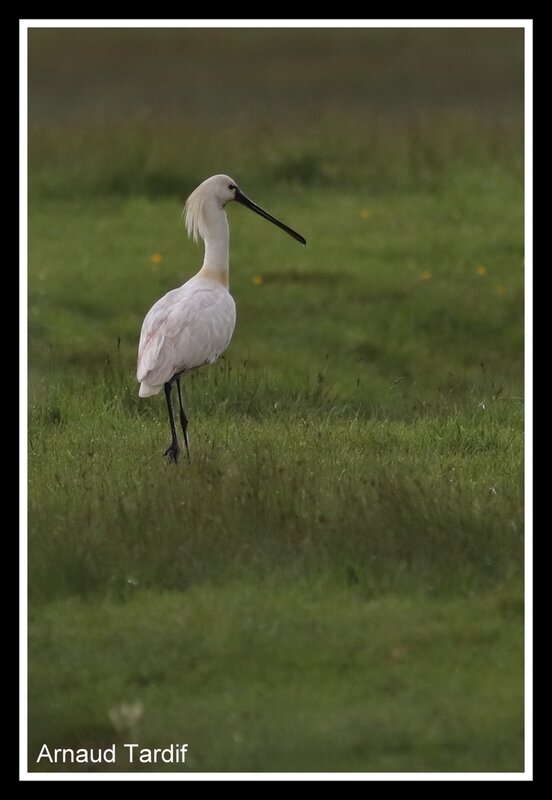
{"x": 192, "y": 326}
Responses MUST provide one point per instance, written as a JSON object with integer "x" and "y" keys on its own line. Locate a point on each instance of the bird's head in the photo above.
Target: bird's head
{"x": 220, "y": 189}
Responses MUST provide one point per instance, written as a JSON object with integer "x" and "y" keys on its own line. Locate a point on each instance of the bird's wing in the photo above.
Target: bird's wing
{"x": 185, "y": 329}
{"x": 152, "y": 335}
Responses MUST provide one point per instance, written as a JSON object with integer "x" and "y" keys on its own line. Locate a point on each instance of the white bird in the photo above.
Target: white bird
{"x": 192, "y": 326}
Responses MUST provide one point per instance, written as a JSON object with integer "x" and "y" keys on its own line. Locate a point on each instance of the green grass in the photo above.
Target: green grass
{"x": 335, "y": 583}
{"x": 336, "y": 678}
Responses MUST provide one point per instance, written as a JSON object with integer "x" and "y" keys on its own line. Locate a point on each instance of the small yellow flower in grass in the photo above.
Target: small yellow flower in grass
{"x": 426, "y": 275}
{"x": 502, "y": 290}
{"x": 365, "y": 213}
{"x": 156, "y": 258}
{"x": 481, "y": 270}
{"x": 257, "y": 280}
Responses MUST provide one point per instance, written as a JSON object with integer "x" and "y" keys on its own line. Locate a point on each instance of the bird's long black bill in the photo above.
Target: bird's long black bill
{"x": 245, "y": 201}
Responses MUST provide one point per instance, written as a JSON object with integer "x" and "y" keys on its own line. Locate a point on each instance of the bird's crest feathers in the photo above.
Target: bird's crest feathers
{"x": 194, "y": 214}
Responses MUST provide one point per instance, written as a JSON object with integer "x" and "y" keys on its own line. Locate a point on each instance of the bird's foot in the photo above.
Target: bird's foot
{"x": 172, "y": 452}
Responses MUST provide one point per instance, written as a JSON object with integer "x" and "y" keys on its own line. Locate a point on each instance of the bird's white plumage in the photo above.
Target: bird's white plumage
{"x": 187, "y": 328}
{"x": 192, "y": 326}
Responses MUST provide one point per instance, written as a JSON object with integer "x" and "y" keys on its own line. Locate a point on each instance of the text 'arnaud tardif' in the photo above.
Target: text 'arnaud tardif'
{"x": 134, "y": 754}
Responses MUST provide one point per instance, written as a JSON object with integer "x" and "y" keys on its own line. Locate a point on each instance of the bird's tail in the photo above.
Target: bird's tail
{"x": 147, "y": 391}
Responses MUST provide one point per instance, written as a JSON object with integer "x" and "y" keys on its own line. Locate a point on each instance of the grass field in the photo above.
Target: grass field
{"x": 335, "y": 583}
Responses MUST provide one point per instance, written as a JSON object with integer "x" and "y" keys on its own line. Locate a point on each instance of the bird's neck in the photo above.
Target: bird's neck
{"x": 217, "y": 240}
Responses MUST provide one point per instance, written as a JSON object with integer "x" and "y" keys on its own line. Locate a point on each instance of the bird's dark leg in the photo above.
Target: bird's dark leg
{"x": 173, "y": 449}
{"x": 183, "y": 419}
